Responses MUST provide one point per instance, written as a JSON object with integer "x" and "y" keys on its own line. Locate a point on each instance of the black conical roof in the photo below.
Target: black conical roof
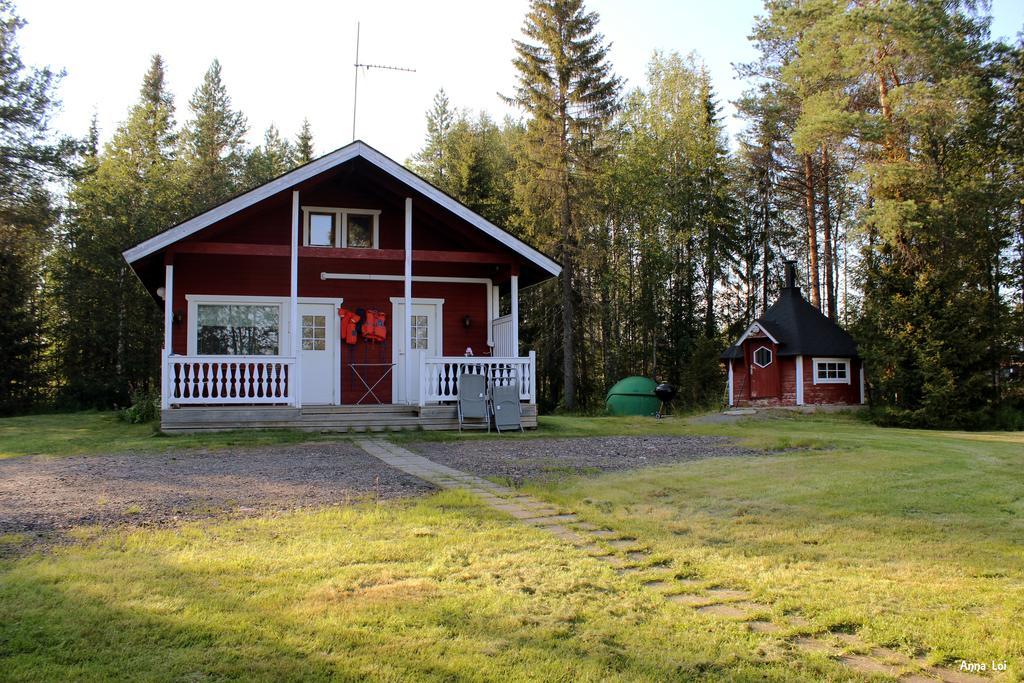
{"x": 801, "y": 329}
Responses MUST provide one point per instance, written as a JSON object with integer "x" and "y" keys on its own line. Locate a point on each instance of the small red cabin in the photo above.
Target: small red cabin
{"x": 348, "y": 293}
{"x": 794, "y": 356}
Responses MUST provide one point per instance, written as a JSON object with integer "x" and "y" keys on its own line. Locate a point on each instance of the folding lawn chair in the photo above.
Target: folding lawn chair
{"x": 473, "y": 400}
{"x": 505, "y": 406}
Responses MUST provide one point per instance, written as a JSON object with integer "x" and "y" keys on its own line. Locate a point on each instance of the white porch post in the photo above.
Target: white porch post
{"x": 296, "y": 380}
{"x": 407, "y": 322}
{"x": 730, "y": 383}
{"x": 165, "y": 380}
{"x": 862, "y": 397}
{"x": 515, "y": 315}
{"x": 800, "y": 380}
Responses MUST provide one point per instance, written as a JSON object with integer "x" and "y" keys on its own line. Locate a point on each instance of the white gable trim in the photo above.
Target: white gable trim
{"x": 325, "y": 163}
{"x": 754, "y": 329}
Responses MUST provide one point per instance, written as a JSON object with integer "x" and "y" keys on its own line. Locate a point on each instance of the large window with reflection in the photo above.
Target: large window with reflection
{"x": 238, "y": 329}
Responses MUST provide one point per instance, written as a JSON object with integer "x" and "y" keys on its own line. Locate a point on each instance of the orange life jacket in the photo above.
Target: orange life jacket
{"x": 375, "y": 328}
{"x": 348, "y": 325}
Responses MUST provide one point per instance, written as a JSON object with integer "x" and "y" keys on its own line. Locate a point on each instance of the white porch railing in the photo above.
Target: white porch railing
{"x": 504, "y": 339}
{"x": 205, "y": 380}
{"x": 440, "y": 376}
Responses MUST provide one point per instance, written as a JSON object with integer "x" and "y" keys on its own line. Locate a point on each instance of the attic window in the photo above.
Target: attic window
{"x": 344, "y": 228}
{"x": 763, "y": 357}
{"x": 831, "y": 370}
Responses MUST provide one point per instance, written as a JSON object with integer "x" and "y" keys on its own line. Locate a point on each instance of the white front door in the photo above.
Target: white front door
{"x": 319, "y": 349}
{"x": 424, "y": 340}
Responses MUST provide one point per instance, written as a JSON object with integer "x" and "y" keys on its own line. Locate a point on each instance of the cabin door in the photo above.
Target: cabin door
{"x": 764, "y": 372}
{"x": 319, "y": 349}
{"x": 424, "y": 341}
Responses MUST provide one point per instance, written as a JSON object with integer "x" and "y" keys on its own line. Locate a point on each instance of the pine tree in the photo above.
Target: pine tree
{"x": 213, "y": 143}
{"x": 304, "y": 144}
{"x": 566, "y": 86}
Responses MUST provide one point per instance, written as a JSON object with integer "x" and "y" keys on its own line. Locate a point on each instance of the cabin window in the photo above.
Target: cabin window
{"x": 237, "y": 329}
{"x": 321, "y": 230}
{"x": 831, "y": 370}
{"x": 763, "y": 357}
{"x": 359, "y": 231}
{"x": 347, "y": 228}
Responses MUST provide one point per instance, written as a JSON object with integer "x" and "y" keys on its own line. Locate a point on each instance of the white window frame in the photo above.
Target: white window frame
{"x": 840, "y": 361}
{"x": 194, "y": 300}
{"x": 771, "y": 357}
{"x": 284, "y": 316}
{"x": 341, "y": 225}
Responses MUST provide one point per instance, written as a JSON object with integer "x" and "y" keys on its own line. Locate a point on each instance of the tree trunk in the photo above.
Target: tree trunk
{"x": 826, "y": 220}
{"x": 812, "y": 231}
{"x": 765, "y": 252}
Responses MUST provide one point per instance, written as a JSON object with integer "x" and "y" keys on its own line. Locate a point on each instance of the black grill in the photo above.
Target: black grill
{"x": 665, "y": 393}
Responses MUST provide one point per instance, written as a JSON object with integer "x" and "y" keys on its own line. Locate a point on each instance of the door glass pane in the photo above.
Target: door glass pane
{"x": 360, "y": 231}
{"x": 237, "y": 330}
{"x": 321, "y": 229}
{"x": 314, "y": 333}
{"x": 419, "y": 333}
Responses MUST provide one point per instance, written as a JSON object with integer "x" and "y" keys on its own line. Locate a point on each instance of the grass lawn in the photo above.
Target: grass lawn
{"x": 912, "y": 539}
{"x": 103, "y": 432}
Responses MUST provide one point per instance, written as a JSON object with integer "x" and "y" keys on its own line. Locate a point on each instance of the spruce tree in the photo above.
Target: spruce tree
{"x": 566, "y": 86}
{"x": 304, "y": 152}
{"x": 31, "y": 158}
{"x": 108, "y": 331}
{"x": 275, "y": 157}
{"x": 213, "y": 143}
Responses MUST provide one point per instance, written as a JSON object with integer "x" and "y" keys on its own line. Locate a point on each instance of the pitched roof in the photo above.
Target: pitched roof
{"x": 339, "y": 156}
{"x": 801, "y": 329}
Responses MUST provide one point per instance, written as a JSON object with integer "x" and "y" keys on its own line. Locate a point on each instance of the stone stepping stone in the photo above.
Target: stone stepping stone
{"x": 688, "y": 582}
{"x": 622, "y": 571}
{"x": 585, "y": 526}
{"x": 656, "y": 584}
{"x": 727, "y": 594}
{"x": 637, "y": 555}
{"x": 688, "y": 599}
{"x": 564, "y": 533}
{"x": 604, "y": 533}
{"x": 732, "y": 610}
{"x": 869, "y": 665}
{"x": 954, "y": 676}
{"x": 814, "y": 645}
{"x": 622, "y": 543}
{"x": 798, "y": 621}
{"x": 759, "y": 626}
{"x": 550, "y": 519}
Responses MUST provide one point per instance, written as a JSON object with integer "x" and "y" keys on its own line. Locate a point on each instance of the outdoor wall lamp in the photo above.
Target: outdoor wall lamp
{"x": 466, "y": 322}
{"x": 177, "y": 317}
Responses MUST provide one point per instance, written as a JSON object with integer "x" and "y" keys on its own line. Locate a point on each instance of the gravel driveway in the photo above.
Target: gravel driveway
{"x": 521, "y": 459}
{"x": 43, "y": 495}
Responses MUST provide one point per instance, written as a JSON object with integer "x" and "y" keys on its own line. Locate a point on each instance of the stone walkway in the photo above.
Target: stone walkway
{"x": 628, "y": 557}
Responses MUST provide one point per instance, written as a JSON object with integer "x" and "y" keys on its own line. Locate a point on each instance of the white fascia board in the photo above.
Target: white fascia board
{"x": 423, "y": 187}
{"x": 339, "y": 156}
{"x": 285, "y": 182}
{"x": 750, "y": 329}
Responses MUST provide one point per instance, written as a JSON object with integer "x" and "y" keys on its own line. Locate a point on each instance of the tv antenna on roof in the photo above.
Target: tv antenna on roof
{"x": 359, "y": 65}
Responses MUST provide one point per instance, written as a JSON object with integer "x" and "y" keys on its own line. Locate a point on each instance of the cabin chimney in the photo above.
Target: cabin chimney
{"x": 790, "y": 274}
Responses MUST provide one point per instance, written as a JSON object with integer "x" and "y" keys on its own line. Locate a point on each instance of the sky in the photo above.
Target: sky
{"x": 285, "y": 61}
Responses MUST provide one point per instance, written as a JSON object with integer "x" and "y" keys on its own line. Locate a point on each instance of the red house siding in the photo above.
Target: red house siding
{"x": 269, "y": 276}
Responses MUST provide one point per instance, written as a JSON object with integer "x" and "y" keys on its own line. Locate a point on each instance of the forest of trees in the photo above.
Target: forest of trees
{"x": 883, "y": 149}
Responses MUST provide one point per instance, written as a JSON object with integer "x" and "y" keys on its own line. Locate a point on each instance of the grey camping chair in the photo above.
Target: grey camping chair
{"x": 505, "y": 406}
{"x": 473, "y": 400}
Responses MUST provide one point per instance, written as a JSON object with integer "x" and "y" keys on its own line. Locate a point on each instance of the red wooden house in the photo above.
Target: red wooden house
{"x": 261, "y": 292}
{"x": 794, "y": 356}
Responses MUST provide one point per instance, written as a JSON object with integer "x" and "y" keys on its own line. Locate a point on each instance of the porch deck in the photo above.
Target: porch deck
{"x": 347, "y": 418}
